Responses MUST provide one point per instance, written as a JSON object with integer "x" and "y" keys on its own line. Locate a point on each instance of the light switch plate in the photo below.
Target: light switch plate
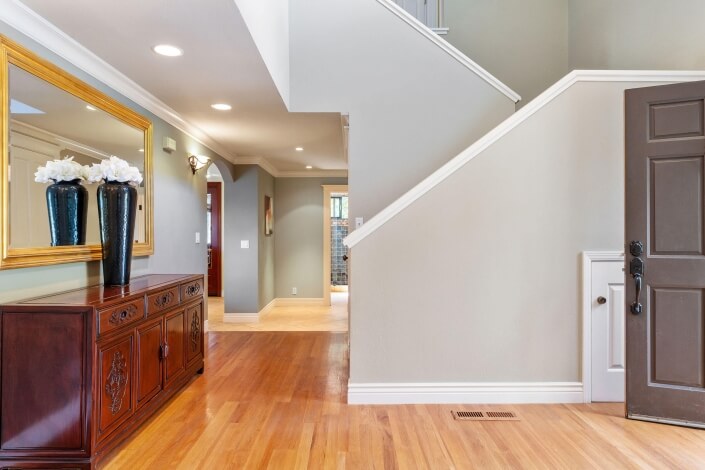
{"x": 358, "y": 222}
{"x": 244, "y": 243}
{"x": 198, "y": 237}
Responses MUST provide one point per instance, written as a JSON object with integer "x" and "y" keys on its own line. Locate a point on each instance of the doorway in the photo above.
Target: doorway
{"x": 335, "y": 229}
{"x": 214, "y": 213}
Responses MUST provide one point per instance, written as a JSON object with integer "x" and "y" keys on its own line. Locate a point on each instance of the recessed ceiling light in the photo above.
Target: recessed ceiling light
{"x": 299, "y": 149}
{"x": 308, "y": 167}
{"x": 167, "y": 50}
{"x": 90, "y": 108}
{"x": 221, "y": 107}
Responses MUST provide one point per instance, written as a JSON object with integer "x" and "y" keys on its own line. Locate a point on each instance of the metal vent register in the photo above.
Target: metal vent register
{"x": 485, "y": 416}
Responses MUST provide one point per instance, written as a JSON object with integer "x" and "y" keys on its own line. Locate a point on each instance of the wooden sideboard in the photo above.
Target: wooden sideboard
{"x": 81, "y": 370}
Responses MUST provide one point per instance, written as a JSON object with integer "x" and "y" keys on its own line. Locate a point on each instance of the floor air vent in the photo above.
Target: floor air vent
{"x": 485, "y": 416}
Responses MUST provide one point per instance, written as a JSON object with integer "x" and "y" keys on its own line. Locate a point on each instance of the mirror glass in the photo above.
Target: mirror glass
{"x": 51, "y": 115}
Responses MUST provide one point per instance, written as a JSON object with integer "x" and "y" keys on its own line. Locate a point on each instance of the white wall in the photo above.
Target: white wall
{"x": 478, "y": 280}
{"x": 524, "y": 44}
{"x": 268, "y": 22}
{"x": 412, "y": 106}
{"x": 637, "y": 34}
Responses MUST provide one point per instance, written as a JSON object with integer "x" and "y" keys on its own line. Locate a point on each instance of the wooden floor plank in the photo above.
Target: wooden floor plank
{"x": 277, "y": 400}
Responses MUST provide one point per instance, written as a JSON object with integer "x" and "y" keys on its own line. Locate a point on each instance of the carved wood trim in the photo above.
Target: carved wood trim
{"x": 116, "y": 383}
{"x": 195, "y": 330}
{"x": 164, "y": 300}
{"x": 120, "y": 316}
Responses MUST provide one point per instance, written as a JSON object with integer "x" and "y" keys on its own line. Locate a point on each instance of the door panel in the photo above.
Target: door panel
{"x": 115, "y": 386}
{"x": 676, "y": 215}
{"x": 607, "y": 332}
{"x": 175, "y": 358}
{"x": 677, "y": 339}
{"x": 665, "y": 170}
{"x": 149, "y": 363}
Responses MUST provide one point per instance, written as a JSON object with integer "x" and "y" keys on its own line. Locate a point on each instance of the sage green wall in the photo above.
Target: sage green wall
{"x": 179, "y": 207}
{"x": 524, "y": 44}
{"x": 637, "y": 34}
{"x": 298, "y": 236}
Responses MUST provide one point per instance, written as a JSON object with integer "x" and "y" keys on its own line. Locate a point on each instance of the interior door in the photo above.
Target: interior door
{"x": 665, "y": 283}
{"x": 607, "y": 361}
{"x": 214, "y": 246}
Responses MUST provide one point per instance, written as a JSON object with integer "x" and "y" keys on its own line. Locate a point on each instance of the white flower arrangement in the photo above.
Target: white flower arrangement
{"x": 114, "y": 169}
{"x": 56, "y": 171}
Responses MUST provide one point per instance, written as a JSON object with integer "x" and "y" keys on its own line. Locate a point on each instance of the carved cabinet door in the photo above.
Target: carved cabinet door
{"x": 150, "y": 342}
{"x": 194, "y": 338}
{"x": 114, "y": 392}
{"x": 175, "y": 355}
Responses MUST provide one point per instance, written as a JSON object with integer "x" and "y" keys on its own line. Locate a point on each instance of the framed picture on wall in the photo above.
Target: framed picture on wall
{"x": 268, "y": 215}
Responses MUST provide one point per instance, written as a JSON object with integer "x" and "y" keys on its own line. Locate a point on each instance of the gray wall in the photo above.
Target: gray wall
{"x": 248, "y": 273}
{"x": 637, "y": 34}
{"x": 241, "y": 222}
{"x": 179, "y": 209}
{"x": 479, "y": 279}
{"x": 298, "y": 234}
{"x": 524, "y": 44}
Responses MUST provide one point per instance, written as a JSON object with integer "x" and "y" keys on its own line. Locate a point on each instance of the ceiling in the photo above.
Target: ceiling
{"x": 221, "y": 64}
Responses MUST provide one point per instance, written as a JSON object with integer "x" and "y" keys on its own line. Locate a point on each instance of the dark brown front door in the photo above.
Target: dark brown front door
{"x": 665, "y": 213}
{"x": 214, "y": 271}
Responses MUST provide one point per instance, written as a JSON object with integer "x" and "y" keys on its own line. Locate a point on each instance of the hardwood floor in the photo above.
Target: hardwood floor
{"x": 296, "y": 317}
{"x": 277, "y": 400}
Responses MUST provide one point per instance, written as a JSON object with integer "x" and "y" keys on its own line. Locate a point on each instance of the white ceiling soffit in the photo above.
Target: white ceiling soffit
{"x": 259, "y": 130}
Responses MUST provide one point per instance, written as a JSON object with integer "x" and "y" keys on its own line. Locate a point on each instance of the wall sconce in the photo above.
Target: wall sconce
{"x": 198, "y": 162}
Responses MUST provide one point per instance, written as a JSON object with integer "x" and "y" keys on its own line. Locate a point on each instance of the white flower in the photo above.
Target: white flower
{"x": 61, "y": 170}
{"x": 114, "y": 169}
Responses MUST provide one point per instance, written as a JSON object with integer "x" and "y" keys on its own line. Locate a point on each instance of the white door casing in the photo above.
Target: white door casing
{"x": 603, "y": 327}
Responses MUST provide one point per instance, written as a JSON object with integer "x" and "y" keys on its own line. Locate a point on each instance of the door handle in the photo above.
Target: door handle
{"x": 636, "y": 269}
{"x": 636, "y": 305}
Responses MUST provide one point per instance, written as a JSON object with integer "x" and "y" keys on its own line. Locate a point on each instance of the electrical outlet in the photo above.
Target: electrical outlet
{"x": 293, "y": 291}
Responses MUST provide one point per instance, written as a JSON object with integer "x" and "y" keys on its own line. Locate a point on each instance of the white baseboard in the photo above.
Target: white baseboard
{"x": 240, "y": 317}
{"x": 293, "y": 301}
{"x": 471, "y": 393}
{"x": 278, "y": 302}
{"x": 268, "y": 307}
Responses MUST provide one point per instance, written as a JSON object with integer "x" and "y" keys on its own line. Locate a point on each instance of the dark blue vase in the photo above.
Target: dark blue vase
{"x": 117, "y": 204}
{"x": 67, "y": 202}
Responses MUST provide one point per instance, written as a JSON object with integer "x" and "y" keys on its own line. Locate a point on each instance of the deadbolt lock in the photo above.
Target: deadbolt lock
{"x": 601, "y": 300}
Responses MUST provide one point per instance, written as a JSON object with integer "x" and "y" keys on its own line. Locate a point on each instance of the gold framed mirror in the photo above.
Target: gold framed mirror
{"x": 49, "y": 114}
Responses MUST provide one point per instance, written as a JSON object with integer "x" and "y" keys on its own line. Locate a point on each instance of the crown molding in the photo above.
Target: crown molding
{"x": 438, "y": 176}
{"x": 37, "y": 28}
{"x": 267, "y": 166}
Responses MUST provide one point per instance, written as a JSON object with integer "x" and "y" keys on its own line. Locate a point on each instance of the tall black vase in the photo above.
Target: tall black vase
{"x": 117, "y": 203}
{"x": 67, "y": 204}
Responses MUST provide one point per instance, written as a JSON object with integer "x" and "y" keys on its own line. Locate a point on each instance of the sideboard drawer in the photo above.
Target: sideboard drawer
{"x": 162, "y": 300}
{"x": 191, "y": 290}
{"x": 120, "y": 315}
